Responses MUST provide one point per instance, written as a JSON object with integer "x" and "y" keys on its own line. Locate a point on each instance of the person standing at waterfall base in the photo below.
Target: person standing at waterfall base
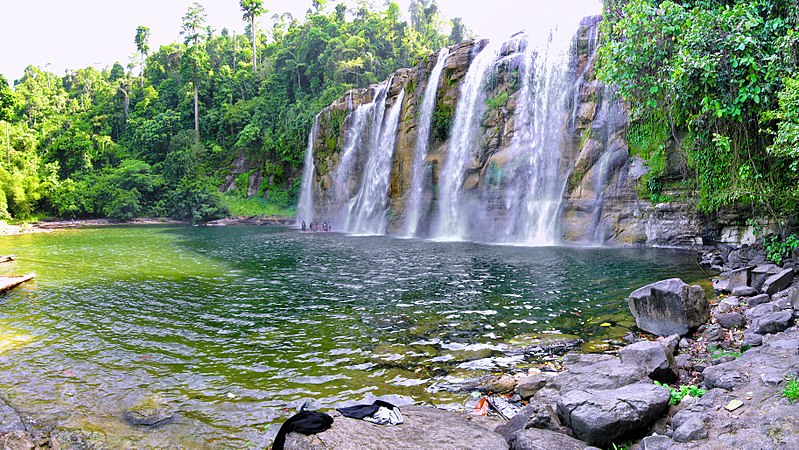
{"x": 303, "y": 225}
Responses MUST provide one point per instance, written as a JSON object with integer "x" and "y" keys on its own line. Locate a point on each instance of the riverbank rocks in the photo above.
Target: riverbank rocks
{"x": 653, "y": 358}
{"x": 778, "y": 281}
{"x": 600, "y": 416}
{"x": 772, "y": 322}
{"x": 669, "y": 307}
{"x": 149, "y": 412}
{"x": 16, "y": 440}
{"x": 423, "y": 428}
{"x": 535, "y": 439}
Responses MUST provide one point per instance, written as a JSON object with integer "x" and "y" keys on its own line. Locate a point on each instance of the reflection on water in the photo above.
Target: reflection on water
{"x": 237, "y": 327}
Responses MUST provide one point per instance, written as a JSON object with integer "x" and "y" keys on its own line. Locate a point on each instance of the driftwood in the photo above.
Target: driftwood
{"x": 8, "y": 283}
{"x": 5, "y": 259}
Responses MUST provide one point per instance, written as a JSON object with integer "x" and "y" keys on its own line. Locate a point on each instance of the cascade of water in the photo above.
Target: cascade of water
{"x": 305, "y": 207}
{"x": 367, "y": 212}
{"x": 534, "y": 194}
{"x": 463, "y": 140}
{"x": 353, "y": 143}
{"x": 414, "y": 205}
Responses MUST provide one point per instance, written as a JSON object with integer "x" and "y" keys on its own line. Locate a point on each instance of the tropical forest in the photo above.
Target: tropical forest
{"x": 410, "y": 224}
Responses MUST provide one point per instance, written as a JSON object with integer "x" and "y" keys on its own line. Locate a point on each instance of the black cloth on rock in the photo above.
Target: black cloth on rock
{"x": 391, "y": 414}
{"x": 305, "y": 422}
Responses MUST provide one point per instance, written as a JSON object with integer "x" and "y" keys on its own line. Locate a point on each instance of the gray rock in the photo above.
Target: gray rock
{"x": 534, "y": 415}
{"x": 721, "y": 286}
{"x": 752, "y": 340}
{"x": 713, "y": 333}
{"x": 553, "y": 347}
{"x": 761, "y": 273}
{"x": 684, "y": 361}
{"x": 600, "y": 416}
{"x": 9, "y": 419}
{"x": 731, "y": 320}
{"x": 535, "y": 439}
{"x": 783, "y": 299}
{"x": 149, "y": 412}
{"x": 772, "y": 322}
{"x": 795, "y": 298}
{"x": 727, "y": 304}
{"x": 778, "y": 281}
{"x": 423, "y": 428}
{"x": 723, "y": 376}
{"x": 739, "y": 278}
{"x": 669, "y": 307}
{"x": 499, "y": 385}
{"x": 16, "y": 440}
{"x": 744, "y": 291}
{"x": 78, "y": 440}
{"x": 671, "y": 343}
{"x": 684, "y": 416}
{"x": 607, "y": 374}
{"x": 761, "y": 310}
{"x": 772, "y": 377}
{"x": 527, "y": 386}
{"x": 656, "y": 442}
{"x": 656, "y": 361}
{"x": 759, "y": 299}
{"x": 691, "y": 430}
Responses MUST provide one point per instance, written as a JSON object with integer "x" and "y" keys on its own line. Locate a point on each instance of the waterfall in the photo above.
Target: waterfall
{"x": 305, "y": 207}
{"x": 537, "y": 183}
{"x": 414, "y": 205}
{"x": 367, "y": 211}
{"x": 464, "y": 139}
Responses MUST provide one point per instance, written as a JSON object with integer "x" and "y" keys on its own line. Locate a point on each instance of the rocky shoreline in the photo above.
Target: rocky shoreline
{"x": 53, "y": 225}
{"x": 740, "y": 349}
{"x": 735, "y": 355}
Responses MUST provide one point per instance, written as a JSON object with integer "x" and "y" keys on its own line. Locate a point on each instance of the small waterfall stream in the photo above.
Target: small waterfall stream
{"x": 413, "y": 211}
{"x": 367, "y": 211}
{"x": 464, "y": 139}
{"x": 535, "y": 188}
{"x": 305, "y": 207}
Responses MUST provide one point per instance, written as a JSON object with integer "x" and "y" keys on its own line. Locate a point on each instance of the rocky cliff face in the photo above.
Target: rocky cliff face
{"x": 595, "y": 176}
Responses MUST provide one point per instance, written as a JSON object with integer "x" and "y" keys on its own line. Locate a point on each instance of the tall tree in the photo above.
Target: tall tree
{"x": 252, "y": 9}
{"x": 142, "y": 40}
{"x": 193, "y": 32}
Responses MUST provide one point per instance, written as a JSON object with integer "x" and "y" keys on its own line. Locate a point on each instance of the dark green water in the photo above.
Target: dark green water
{"x": 237, "y": 327}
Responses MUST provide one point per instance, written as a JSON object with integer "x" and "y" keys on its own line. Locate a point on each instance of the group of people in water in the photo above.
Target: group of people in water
{"x": 316, "y": 226}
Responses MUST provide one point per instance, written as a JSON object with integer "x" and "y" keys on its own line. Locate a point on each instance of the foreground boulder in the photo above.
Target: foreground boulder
{"x": 653, "y": 358}
{"x": 535, "y": 439}
{"x": 669, "y": 307}
{"x": 598, "y": 417}
{"x": 423, "y": 428}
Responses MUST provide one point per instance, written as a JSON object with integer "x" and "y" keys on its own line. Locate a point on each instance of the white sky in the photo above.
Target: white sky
{"x": 58, "y": 34}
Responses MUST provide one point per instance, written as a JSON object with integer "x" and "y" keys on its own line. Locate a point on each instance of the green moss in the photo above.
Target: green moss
{"x": 498, "y": 101}
{"x": 442, "y": 122}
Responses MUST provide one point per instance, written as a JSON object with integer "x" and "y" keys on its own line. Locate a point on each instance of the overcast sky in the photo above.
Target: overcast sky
{"x": 58, "y": 34}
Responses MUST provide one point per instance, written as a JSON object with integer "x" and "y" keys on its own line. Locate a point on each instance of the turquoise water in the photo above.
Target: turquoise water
{"x": 236, "y": 327}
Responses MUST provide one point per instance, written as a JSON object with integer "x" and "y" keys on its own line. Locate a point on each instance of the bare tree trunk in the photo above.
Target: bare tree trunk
{"x": 252, "y": 30}
{"x": 196, "y": 109}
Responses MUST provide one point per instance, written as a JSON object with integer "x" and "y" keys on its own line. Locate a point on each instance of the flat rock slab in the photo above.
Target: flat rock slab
{"x": 535, "y": 439}
{"x": 778, "y": 282}
{"x": 766, "y": 420}
{"x": 423, "y": 428}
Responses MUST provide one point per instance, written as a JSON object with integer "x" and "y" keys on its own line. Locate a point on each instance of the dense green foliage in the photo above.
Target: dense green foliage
{"x": 115, "y": 144}
{"x": 712, "y": 96}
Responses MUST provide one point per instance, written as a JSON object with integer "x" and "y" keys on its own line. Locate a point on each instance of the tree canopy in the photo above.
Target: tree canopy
{"x": 111, "y": 143}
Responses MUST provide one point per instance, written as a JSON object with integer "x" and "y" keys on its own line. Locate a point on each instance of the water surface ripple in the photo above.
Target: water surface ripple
{"x": 236, "y": 327}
